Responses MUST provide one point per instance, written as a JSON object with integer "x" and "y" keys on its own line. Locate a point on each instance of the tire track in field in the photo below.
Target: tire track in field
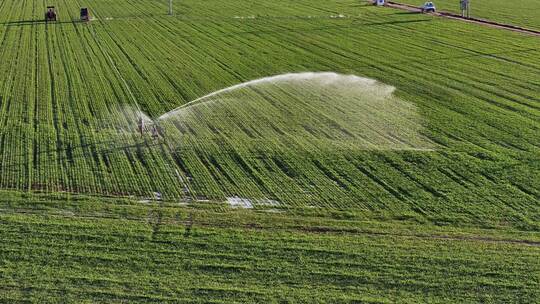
{"x": 156, "y": 218}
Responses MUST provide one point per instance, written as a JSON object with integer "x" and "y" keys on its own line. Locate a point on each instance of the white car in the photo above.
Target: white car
{"x": 428, "y": 7}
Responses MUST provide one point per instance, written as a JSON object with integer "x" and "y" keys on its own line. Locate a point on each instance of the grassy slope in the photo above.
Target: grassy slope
{"x": 525, "y": 13}
{"x": 77, "y": 249}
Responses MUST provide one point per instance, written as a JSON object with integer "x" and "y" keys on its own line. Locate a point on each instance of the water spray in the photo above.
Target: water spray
{"x": 298, "y": 109}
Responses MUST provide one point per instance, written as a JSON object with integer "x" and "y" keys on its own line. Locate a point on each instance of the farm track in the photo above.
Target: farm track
{"x": 484, "y": 22}
{"x": 521, "y": 13}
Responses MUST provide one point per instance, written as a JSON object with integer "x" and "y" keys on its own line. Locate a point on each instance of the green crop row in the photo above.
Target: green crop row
{"x": 70, "y": 93}
{"x": 85, "y": 249}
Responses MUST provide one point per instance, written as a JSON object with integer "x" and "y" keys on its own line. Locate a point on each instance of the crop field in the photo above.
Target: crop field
{"x": 524, "y": 13}
{"x": 112, "y": 251}
{"x": 319, "y": 151}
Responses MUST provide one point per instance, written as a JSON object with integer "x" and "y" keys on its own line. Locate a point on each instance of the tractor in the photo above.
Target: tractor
{"x": 85, "y": 14}
{"x": 50, "y": 14}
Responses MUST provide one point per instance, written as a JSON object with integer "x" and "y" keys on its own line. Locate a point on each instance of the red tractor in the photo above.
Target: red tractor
{"x": 85, "y": 14}
{"x": 50, "y": 14}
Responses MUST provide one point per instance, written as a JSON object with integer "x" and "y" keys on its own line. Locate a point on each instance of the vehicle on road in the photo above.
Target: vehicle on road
{"x": 428, "y": 7}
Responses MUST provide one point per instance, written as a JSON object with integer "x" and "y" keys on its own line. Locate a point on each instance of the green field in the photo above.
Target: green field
{"x": 112, "y": 251}
{"x": 416, "y": 179}
{"x": 524, "y": 13}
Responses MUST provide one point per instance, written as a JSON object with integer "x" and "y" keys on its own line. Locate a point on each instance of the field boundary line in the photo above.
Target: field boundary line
{"x": 480, "y": 21}
{"x": 160, "y": 220}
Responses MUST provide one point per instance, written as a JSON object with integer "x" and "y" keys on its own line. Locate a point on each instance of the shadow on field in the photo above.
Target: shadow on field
{"x": 361, "y": 5}
{"x": 89, "y": 150}
{"x": 35, "y": 22}
{"x": 396, "y": 22}
{"x": 407, "y": 13}
{"x": 23, "y": 22}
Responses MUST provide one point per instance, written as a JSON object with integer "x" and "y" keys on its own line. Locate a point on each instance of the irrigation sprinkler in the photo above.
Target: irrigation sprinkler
{"x": 170, "y": 7}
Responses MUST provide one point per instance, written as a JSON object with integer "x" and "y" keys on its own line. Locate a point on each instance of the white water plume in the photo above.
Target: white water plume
{"x": 302, "y": 110}
{"x": 132, "y": 119}
{"x": 323, "y": 78}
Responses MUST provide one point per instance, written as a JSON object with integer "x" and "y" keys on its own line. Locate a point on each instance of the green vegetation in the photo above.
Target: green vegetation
{"x": 66, "y": 99}
{"x": 525, "y": 13}
{"x": 332, "y": 220}
{"x": 110, "y": 250}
